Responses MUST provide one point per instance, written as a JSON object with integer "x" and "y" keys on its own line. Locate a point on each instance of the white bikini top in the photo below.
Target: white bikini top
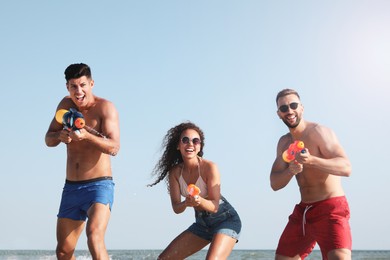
{"x": 199, "y": 183}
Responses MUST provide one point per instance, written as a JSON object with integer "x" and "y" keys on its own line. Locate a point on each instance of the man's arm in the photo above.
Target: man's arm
{"x": 56, "y": 134}
{"x": 333, "y": 159}
{"x": 52, "y": 137}
{"x": 281, "y": 172}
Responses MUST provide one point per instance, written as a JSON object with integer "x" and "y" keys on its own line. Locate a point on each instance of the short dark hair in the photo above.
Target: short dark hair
{"x": 286, "y": 92}
{"x": 77, "y": 70}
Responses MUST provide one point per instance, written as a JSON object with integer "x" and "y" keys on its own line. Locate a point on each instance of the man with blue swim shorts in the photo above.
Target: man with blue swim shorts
{"x": 89, "y": 126}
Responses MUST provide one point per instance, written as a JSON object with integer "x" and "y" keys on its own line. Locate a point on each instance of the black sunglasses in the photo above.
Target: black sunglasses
{"x": 187, "y": 140}
{"x": 284, "y": 108}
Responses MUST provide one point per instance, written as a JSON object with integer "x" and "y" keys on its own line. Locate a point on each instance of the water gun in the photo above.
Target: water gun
{"x": 193, "y": 190}
{"x": 71, "y": 119}
{"x": 293, "y": 149}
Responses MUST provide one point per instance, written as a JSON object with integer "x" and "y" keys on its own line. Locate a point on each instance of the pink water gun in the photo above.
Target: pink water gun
{"x": 293, "y": 149}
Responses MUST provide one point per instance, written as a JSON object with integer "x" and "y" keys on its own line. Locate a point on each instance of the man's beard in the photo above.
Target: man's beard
{"x": 290, "y": 125}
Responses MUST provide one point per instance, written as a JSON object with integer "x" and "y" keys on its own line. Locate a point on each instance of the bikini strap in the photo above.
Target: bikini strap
{"x": 199, "y": 161}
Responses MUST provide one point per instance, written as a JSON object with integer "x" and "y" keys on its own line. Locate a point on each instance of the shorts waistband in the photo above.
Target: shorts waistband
{"x": 89, "y": 181}
{"x": 305, "y": 204}
{"x": 222, "y": 200}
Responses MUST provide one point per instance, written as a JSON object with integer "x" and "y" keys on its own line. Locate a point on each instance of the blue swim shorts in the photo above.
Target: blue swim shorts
{"x": 79, "y": 196}
{"x": 225, "y": 221}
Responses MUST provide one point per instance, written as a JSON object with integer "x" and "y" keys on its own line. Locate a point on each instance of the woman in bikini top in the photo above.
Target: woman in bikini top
{"x": 182, "y": 164}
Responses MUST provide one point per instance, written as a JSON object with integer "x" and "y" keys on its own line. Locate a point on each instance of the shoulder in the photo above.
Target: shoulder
{"x": 105, "y": 108}
{"x": 66, "y": 103}
{"x": 103, "y": 103}
{"x": 317, "y": 130}
{"x": 208, "y": 164}
{"x": 175, "y": 171}
{"x": 209, "y": 167}
{"x": 210, "y": 171}
{"x": 323, "y": 137}
{"x": 285, "y": 139}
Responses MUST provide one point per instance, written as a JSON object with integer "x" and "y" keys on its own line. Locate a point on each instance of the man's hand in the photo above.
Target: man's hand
{"x": 64, "y": 136}
{"x": 78, "y": 135}
{"x": 294, "y": 167}
{"x": 303, "y": 157}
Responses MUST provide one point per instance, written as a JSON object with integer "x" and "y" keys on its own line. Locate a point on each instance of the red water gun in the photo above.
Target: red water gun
{"x": 293, "y": 149}
{"x": 193, "y": 190}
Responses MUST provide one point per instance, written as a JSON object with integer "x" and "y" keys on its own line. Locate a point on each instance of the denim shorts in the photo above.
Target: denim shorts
{"x": 78, "y": 197}
{"x": 225, "y": 221}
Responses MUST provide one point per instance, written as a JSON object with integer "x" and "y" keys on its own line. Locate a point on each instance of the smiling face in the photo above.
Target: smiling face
{"x": 189, "y": 144}
{"x": 290, "y": 110}
{"x": 80, "y": 91}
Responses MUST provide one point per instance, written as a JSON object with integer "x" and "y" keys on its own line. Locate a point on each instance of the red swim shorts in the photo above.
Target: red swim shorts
{"x": 324, "y": 222}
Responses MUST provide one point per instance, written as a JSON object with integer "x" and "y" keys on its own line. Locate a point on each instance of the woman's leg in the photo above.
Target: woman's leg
{"x": 183, "y": 246}
{"x": 221, "y": 246}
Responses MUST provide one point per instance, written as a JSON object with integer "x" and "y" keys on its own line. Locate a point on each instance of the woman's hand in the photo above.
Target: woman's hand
{"x": 193, "y": 201}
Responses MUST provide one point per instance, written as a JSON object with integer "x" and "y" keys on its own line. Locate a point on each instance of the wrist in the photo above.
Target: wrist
{"x": 290, "y": 173}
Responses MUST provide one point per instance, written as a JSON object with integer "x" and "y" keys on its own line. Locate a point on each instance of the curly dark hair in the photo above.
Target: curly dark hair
{"x": 171, "y": 156}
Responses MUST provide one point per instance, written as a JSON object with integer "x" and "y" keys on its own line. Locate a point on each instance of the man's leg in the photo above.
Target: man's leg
{"x": 68, "y": 232}
{"x": 98, "y": 217}
{"x": 340, "y": 254}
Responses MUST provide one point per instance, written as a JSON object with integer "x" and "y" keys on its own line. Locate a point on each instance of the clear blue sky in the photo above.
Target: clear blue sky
{"x": 217, "y": 63}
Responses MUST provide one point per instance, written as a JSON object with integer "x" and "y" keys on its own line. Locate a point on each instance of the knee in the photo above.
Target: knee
{"x": 95, "y": 237}
{"x": 64, "y": 253}
{"x": 340, "y": 254}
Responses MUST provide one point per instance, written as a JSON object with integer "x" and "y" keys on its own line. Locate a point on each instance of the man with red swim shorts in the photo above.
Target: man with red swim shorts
{"x": 323, "y": 214}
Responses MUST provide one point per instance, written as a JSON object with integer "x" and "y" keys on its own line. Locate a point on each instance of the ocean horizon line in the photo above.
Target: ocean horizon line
{"x": 155, "y": 249}
{"x": 152, "y": 254}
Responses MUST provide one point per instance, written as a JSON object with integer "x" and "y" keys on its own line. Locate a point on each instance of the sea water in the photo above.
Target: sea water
{"x": 152, "y": 254}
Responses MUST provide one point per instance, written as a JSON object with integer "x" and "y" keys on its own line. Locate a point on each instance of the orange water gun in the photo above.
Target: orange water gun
{"x": 293, "y": 149}
{"x": 193, "y": 190}
{"x": 71, "y": 119}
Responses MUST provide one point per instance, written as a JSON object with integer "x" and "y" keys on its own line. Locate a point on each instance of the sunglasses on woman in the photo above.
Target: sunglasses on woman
{"x": 187, "y": 140}
{"x": 284, "y": 108}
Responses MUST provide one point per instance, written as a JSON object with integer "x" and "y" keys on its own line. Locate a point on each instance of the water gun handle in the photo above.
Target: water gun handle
{"x": 193, "y": 190}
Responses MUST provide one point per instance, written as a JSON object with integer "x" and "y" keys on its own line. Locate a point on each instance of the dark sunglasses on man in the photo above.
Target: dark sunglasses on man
{"x": 284, "y": 108}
